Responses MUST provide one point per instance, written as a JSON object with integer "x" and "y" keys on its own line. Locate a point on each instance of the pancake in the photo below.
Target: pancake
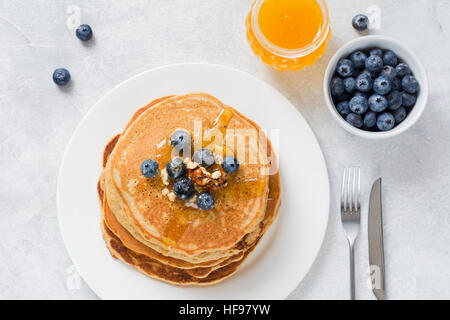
{"x": 120, "y": 238}
{"x": 135, "y": 244}
{"x": 147, "y": 264}
{"x": 172, "y": 228}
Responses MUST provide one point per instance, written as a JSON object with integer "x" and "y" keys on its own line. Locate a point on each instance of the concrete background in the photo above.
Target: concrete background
{"x": 37, "y": 119}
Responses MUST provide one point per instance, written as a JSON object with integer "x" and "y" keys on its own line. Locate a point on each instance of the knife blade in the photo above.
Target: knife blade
{"x": 376, "y": 246}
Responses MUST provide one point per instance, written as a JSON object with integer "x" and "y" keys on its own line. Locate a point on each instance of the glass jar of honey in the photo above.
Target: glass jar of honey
{"x": 288, "y": 34}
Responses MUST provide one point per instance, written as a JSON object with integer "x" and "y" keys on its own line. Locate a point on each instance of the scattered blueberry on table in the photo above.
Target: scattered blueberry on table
{"x": 84, "y": 32}
{"x": 360, "y": 22}
{"x": 61, "y": 76}
{"x": 373, "y": 89}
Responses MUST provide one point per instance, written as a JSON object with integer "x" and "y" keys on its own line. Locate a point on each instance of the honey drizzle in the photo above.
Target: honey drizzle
{"x": 182, "y": 215}
{"x": 218, "y": 128}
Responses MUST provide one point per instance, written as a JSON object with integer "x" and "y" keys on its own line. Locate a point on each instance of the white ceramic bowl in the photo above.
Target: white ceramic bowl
{"x": 405, "y": 55}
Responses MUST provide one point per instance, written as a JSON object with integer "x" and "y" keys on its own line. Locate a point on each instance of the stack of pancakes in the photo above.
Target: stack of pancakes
{"x": 175, "y": 241}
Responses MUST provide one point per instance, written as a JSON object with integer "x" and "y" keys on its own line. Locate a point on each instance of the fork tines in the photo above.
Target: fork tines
{"x": 351, "y": 190}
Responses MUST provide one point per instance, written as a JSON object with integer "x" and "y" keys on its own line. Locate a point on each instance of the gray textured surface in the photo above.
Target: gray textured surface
{"x": 37, "y": 119}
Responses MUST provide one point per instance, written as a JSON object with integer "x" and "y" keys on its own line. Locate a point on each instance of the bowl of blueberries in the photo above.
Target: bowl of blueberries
{"x": 375, "y": 87}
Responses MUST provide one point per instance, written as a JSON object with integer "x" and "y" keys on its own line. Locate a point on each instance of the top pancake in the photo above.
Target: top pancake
{"x": 185, "y": 232}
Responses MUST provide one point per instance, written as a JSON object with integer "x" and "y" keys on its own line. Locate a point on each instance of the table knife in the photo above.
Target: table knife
{"x": 376, "y": 247}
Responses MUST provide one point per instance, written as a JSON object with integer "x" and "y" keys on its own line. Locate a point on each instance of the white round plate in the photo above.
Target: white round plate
{"x": 286, "y": 252}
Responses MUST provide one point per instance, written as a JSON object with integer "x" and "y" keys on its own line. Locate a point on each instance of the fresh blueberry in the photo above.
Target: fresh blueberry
{"x": 362, "y": 94}
{"x": 359, "y": 59}
{"x": 355, "y": 120}
{"x": 343, "y": 108}
{"x": 61, "y": 76}
{"x": 364, "y": 83}
{"x": 230, "y": 164}
{"x": 204, "y": 157}
{"x": 176, "y": 168}
{"x": 345, "y": 68}
{"x": 343, "y": 97}
{"x": 358, "y": 105}
{"x": 349, "y": 85}
{"x": 376, "y": 52}
{"x": 372, "y": 75}
{"x": 149, "y": 168}
{"x": 205, "y": 201}
{"x": 370, "y": 119}
{"x": 394, "y": 100}
{"x": 382, "y": 85}
{"x": 403, "y": 70}
{"x": 410, "y": 84}
{"x": 180, "y": 140}
{"x": 374, "y": 64}
{"x": 390, "y": 58}
{"x": 399, "y": 114}
{"x": 184, "y": 188}
{"x": 337, "y": 86}
{"x": 388, "y": 72}
{"x": 360, "y": 22}
{"x": 385, "y": 121}
{"x": 84, "y": 32}
{"x": 408, "y": 100}
{"x": 378, "y": 103}
{"x": 396, "y": 84}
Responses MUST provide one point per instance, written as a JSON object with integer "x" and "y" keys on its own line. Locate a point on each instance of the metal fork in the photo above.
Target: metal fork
{"x": 351, "y": 214}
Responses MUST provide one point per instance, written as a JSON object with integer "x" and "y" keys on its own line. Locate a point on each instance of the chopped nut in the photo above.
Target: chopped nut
{"x": 165, "y": 192}
{"x": 216, "y": 175}
{"x": 205, "y": 172}
{"x": 218, "y": 158}
{"x": 203, "y": 180}
{"x": 165, "y": 177}
{"x": 192, "y": 165}
{"x": 171, "y": 196}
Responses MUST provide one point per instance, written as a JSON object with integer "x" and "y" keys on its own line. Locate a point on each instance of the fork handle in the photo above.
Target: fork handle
{"x": 352, "y": 271}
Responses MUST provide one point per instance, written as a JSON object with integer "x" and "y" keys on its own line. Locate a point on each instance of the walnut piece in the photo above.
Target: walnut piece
{"x": 165, "y": 177}
{"x": 203, "y": 180}
{"x": 171, "y": 196}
